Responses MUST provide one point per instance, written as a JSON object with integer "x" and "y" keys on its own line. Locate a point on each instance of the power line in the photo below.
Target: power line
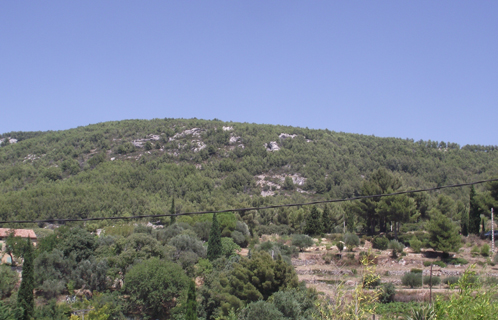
{"x": 250, "y": 208}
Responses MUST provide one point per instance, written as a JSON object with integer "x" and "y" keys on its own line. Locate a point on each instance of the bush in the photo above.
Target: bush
{"x": 154, "y": 286}
{"x": 396, "y": 247}
{"x": 371, "y": 281}
{"x": 439, "y": 263}
{"x": 416, "y": 245}
{"x": 239, "y": 239}
{"x": 351, "y": 241}
{"x": 461, "y": 261}
{"x": 435, "y": 280}
{"x": 415, "y": 270}
{"x": 475, "y": 250}
{"x": 380, "y": 243}
{"x": 302, "y": 241}
{"x": 412, "y": 280}
{"x": 485, "y": 250}
{"x": 327, "y": 258}
{"x": 228, "y": 247}
{"x": 495, "y": 259}
{"x": 451, "y": 280}
{"x": 8, "y": 280}
{"x": 436, "y": 263}
{"x": 340, "y": 246}
{"x": 387, "y": 292}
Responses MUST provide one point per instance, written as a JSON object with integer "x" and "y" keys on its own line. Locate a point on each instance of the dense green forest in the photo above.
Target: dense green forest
{"x": 137, "y": 166}
{"x": 145, "y": 269}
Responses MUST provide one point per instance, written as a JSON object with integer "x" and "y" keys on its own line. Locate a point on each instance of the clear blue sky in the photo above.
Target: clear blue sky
{"x": 408, "y": 69}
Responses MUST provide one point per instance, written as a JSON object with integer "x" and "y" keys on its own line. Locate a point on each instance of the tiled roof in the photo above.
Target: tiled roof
{"x": 23, "y": 233}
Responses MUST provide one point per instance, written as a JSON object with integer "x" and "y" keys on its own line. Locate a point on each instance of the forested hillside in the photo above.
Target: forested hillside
{"x": 136, "y": 167}
{"x": 252, "y": 264}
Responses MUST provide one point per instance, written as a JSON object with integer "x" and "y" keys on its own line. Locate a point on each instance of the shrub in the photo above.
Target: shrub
{"x": 371, "y": 281}
{"x": 451, "y": 280}
{"x": 458, "y": 261}
{"x": 435, "y": 280}
{"x": 475, "y": 250}
{"x": 416, "y": 245}
{"x": 440, "y": 263}
{"x": 415, "y": 270}
{"x": 387, "y": 292}
{"x": 396, "y": 247}
{"x": 351, "y": 241}
{"x": 8, "y": 280}
{"x": 495, "y": 259}
{"x": 436, "y": 263}
{"x": 239, "y": 239}
{"x": 228, "y": 247}
{"x": 412, "y": 280}
{"x": 380, "y": 243}
{"x": 340, "y": 246}
{"x": 327, "y": 258}
{"x": 485, "y": 250}
{"x": 154, "y": 285}
{"x": 301, "y": 241}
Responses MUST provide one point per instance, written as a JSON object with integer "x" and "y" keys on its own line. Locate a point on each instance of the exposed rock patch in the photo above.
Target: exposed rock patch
{"x": 286, "y": 135}
{"x": 195, "y": 132}
{"x": 139, "y": 143}
{"x": 272, "y": 146}
{"x": 200, "y": 145}
{"x": 11, "y": 140}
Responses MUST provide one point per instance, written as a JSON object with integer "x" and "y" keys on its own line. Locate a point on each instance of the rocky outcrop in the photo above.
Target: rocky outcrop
{"x": 200, "y": 145}
{"x": 272, "y": 146}
{"x": 11, "y": 140}
{"x": 283, "y": 136}
{"x": 139, "y": 143}
{"x": 195, "y": 132}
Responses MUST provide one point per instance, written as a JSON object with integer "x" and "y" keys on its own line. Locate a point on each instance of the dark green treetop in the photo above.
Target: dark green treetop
{"x": 313, "y": 222}
{"x": 25, "y": 298}
{"x": 214, "y": 242}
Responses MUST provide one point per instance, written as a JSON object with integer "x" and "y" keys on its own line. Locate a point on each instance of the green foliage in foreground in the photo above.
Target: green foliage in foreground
{"x": 471, "y": 301}
{"x": 25, "y": 298}
{"x": 153, "y": 286}
{"x": 8, "y": 280}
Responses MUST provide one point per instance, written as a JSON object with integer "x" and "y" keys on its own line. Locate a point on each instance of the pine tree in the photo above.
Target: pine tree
{"x": 214, "y": 241}
{"x": 25, "y": 299}
{"x": 443, "y": 234}
{"x": 327, "y": 219}
{"x": 313, "y": 222}
{"x": 464, "y": 222}
{"x": 191, "y": 313}
{"x": 474, "y": 213}
{"x": 172, "y": 211}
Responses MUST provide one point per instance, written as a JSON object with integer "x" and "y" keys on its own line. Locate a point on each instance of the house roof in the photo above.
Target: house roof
{"x": 23, "y": 233}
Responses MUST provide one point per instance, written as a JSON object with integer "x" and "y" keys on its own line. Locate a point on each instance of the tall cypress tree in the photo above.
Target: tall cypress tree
{"x": 191, "y": 313}
{"x": 313, "y": 222}
{"x": 474, "y": 213}
{"x": 172, "y": 211}
{"x": 25, "y": 299}
{"x": 326, "y": 219}
{"x": 214, "y": 241}
{"x": 464, "y": 222}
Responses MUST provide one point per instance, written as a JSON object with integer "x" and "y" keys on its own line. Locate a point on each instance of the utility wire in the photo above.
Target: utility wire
{"x": 252, "y": 208}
